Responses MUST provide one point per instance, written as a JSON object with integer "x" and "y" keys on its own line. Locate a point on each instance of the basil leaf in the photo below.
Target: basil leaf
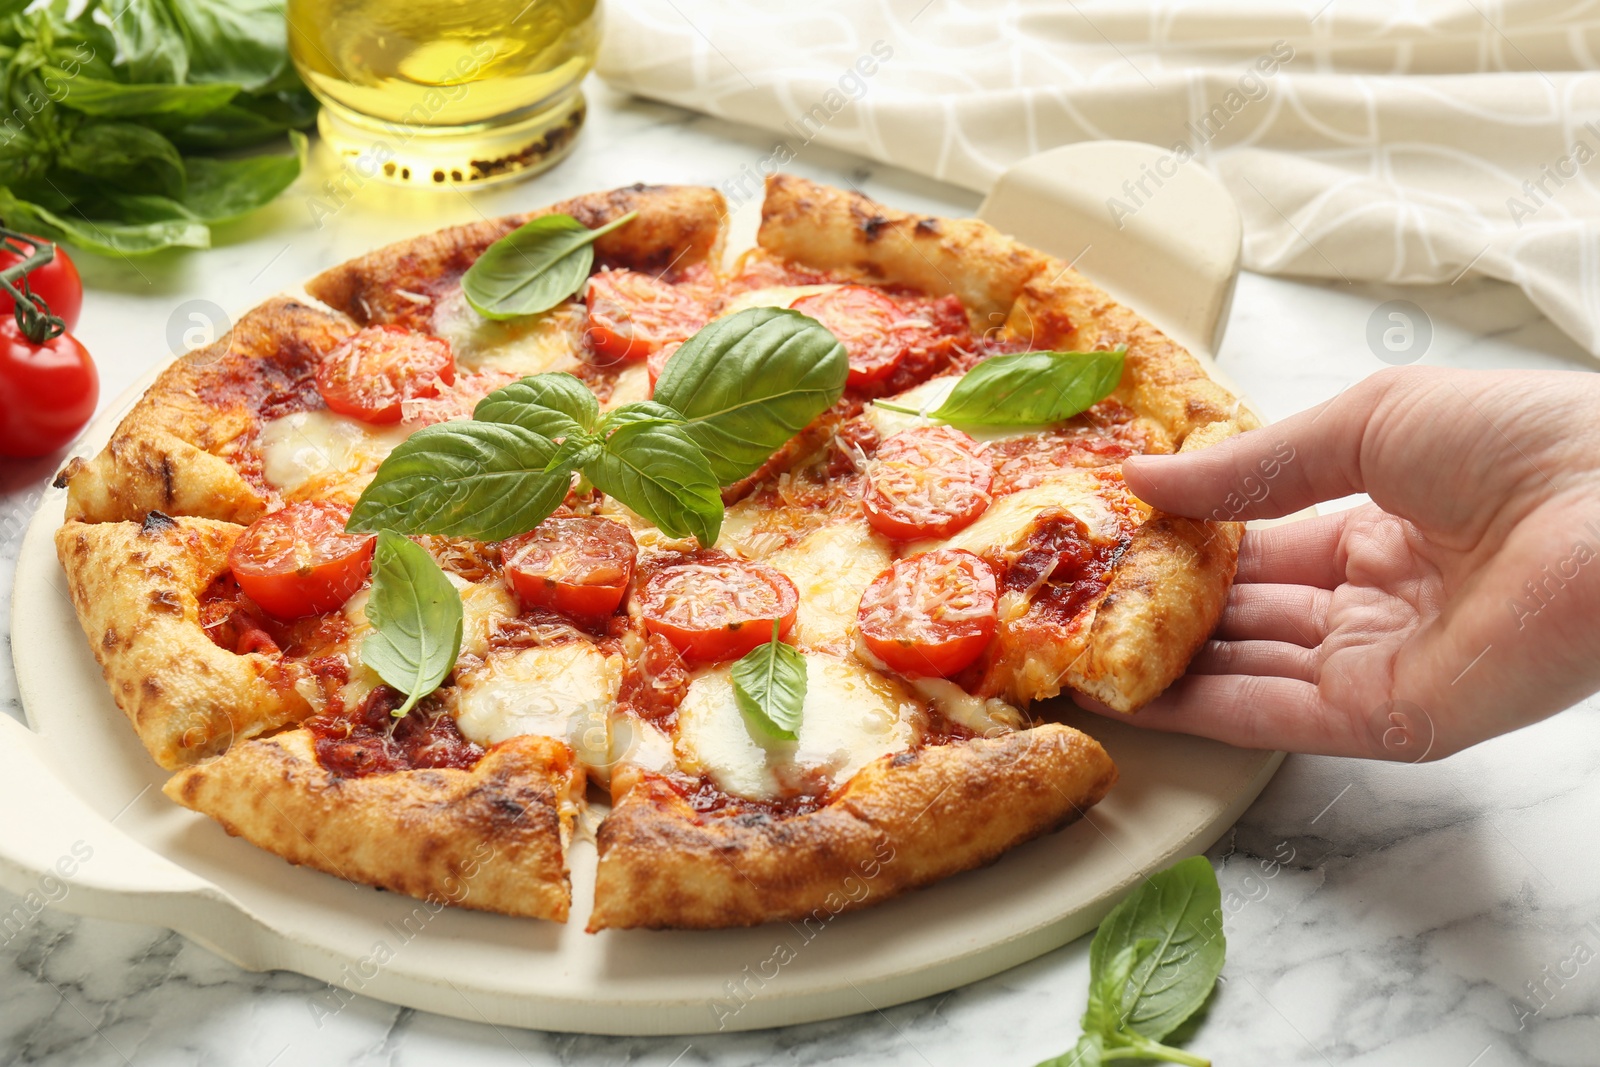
{"x": 416, "y": 620}
{"x": 109, "y": 236}
{"x": 639, "y": 411}
{"x": 555, "y": 405}
{"x": 135, "y": 157}
{"x": 221, "y": 189}
{"x": 1180, "y": 909}
{"x": 769, "y": 685}
{"x": 113, "y": 99}
{"x": 481, "y": 480}
{"x": 655, "y": 469}
{"x": 534, "y": 267}
{"x": 1030, "y": 388}
{"x": 575, "y": 452}
{"x": 748, "y": 383}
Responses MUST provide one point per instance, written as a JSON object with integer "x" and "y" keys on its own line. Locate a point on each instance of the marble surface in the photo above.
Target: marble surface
{"x": 1440, "y": 914}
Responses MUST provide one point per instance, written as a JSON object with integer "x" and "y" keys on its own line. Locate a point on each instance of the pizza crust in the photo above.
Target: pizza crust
{"x": 678, "y": 226}
{"x": 170, "y": 453}
{"x": 904, "y": 821}
{"x": 491, "y": 838}
{"x": 136, "y": 588}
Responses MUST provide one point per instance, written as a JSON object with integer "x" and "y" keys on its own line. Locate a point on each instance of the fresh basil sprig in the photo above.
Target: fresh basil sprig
{"x": 534, "y": 267}
{"x": 1027, "y": 389}
{"x": 769, "y": 685}
{"x": 748, "y": 383}
{"x": 416, "y": 619}
{"x": 731, "y": 396}
{"x": 1153, "y": 963}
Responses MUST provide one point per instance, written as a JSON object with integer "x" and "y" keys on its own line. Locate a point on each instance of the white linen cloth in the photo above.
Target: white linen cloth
{"x": 1387, "y": 140}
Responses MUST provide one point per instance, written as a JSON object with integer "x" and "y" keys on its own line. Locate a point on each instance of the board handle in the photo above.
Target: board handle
{"x": 58, "y": 851}
{"x": 1136, "y": 219}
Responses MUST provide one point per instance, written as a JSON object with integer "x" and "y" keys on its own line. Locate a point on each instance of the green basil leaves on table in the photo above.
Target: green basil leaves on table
{"x": 1152, "y": 964}
{"x": 534, "y": 267}
{"x": 416, "y": 618}
{"x": 111, "y": 105}
{"x": 1027, "y": 389}
{"x": 769, "y": 685}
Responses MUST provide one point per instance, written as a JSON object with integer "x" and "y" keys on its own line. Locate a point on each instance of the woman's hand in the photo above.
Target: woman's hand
{"x": 1462, "y": 603}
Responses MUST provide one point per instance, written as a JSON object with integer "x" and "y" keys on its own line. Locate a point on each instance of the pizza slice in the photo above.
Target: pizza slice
{"x": 775, "y": 554}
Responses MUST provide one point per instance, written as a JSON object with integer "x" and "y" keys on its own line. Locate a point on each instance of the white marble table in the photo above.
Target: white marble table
{"x": 1421, "y": 915}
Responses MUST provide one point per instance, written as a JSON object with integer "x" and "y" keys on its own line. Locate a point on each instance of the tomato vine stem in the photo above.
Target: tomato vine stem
{"x": 34, "y": 317}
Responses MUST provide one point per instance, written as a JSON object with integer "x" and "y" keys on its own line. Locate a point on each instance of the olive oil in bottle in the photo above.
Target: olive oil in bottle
{"x": 445, "y": 92}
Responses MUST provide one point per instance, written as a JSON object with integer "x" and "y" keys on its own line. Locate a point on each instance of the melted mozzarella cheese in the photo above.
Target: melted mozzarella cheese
{"x": 1012, "y": 518}
{"x": 776, "y": 296}
{"x": 830, "y": 569}
{"x": 317, "y": 451}
{"x": 632, "y": 383}
{"x": 641, "y": 744}
{"x": 531, "y": 344}
{"x": 483, "y": 605}
{"x": 565, "y": 691}
{"x": 852, "y": 716}
{"x": 981, "y": 716}
{"x": 927, "y": 396}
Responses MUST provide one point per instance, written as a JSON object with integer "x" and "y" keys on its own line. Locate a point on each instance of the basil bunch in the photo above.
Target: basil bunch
{"x": 1153, "y": 963}
{"x": 112, "y": 113}
{"x": 731, "y": 396}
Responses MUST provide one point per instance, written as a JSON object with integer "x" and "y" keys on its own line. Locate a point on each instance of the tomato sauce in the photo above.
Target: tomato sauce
{"x": 234, "y": 622}
{"x": 369, "y": 740}
{"x": 655, "y": 684}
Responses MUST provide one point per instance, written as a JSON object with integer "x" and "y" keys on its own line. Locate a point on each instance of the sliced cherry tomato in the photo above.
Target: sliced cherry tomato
{"x": 47, "y": 391}
{"x": 632, "y": 315}
{"x": 866, "y": 322}
{"x": 57, "y": 282}
{"x": 657, "y": 363}
{"x": 577, "y": 566}
{"x": 930, "y": 614}
{"x": 372, "y": 373}
{"x": 299, "y": 561}
{"x": 718, "y": 609}
{"x": 927, "y": 482}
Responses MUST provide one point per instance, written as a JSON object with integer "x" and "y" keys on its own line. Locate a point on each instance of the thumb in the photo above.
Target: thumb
{"x": 1263, "y": 474}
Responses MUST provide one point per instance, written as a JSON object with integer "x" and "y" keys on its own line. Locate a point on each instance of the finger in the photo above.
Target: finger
{"x": 1250, "y": 712}
{"x": 1266, "y": 659}
{"x": 1294, "y": 613}
{"x": 1297, "y": 553}
{"x": 1266, "y": 473}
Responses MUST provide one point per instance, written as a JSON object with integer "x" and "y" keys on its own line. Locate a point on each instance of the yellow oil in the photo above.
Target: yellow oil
{"x": 450, "y": 90}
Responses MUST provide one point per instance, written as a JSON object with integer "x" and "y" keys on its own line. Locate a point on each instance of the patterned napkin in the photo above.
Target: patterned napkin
{"x": 1383, "y": 140}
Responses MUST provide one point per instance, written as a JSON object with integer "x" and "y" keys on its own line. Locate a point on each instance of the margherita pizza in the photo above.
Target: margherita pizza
{"x": 774, "y": 553}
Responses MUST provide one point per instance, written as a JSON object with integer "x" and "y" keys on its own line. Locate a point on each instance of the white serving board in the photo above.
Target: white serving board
{"x": 79, "y": 778}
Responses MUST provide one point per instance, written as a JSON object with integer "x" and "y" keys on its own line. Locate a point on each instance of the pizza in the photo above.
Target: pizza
{"x": 759, "y": 567}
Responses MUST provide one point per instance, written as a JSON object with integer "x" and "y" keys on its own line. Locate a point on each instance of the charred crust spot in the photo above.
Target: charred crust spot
{"x": 69, "y": 472}
{"x": 902, "y": 759}
{"x": 190, "y": 790}
{"x": 110, "y": 640}
{"x": 928, "y": 227}
{"x": 166, "y": 600}
{"x": 159, "y": 522}
{"x": 167, "y": 492}
{"x": 873, "y": 225}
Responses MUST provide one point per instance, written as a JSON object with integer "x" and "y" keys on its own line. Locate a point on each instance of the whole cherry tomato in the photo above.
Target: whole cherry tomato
{"x": 56, "y": 281}
{"x": 47, "y": 391}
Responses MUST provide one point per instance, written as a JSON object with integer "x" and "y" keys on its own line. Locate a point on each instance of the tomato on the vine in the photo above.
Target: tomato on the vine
{"x": 57, "y": 282}
{"x": 48, "y": 390}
